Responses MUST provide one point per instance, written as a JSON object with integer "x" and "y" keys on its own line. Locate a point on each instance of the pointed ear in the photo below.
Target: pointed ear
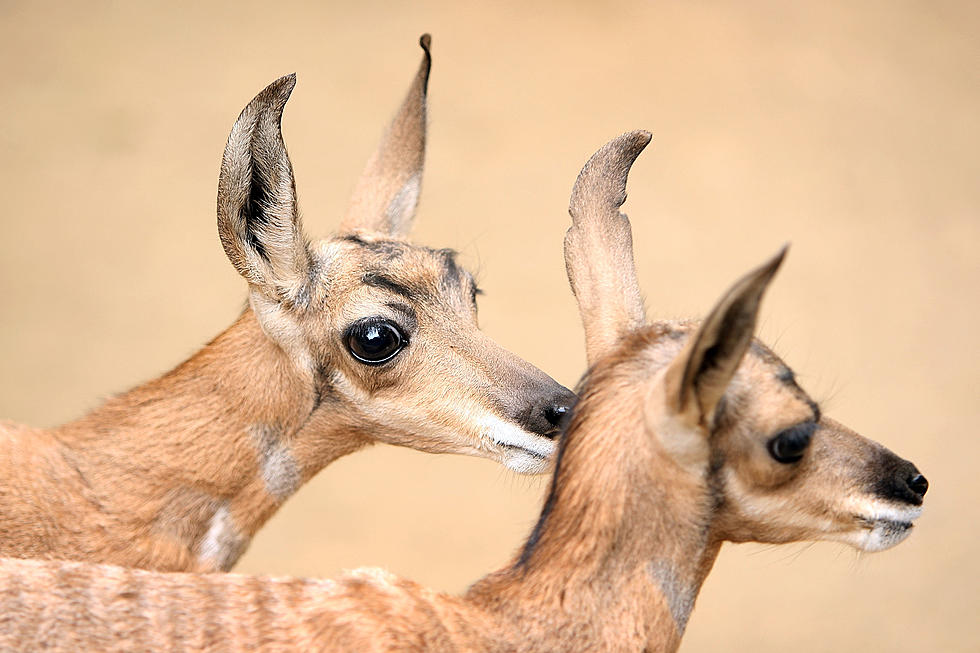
{"x": 599, "y": 247}
{"x": 258, "y": 220}
{"x": 387, "y": 193}
{"x": 697, "y": 379}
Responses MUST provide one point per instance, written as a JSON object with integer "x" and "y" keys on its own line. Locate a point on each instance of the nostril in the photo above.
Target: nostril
{"x": 555, "y": 414}
{"x": 919, "y": 484}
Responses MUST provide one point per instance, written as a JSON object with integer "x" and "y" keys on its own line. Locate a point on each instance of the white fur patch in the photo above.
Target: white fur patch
{"x": 877, "y": 510}
{"x": 376, "y": 576}
{"x": 222, "y": 545}
{"x": 886, "y": 524}
{"x": 401, "y": 208}
{"x": 326, "y": 252}
{"x": 680, "y": 596}
{"x": 687, "y": 446}
{"x": 522, "y": 451}
{"x": 343, "y": 385}
{"x": 280, "y": 471}
{"x": 282, "y": 329}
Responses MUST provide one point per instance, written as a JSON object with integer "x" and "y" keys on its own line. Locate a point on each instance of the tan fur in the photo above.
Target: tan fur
{"x": 179, "y": 473}
{"x": 599, "y": 248}
{"x": 656, "y": 470}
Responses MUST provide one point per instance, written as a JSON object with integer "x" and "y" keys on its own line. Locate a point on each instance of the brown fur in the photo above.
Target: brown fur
{"x": 179, "y": 473}
{"x": 656, "y": 470}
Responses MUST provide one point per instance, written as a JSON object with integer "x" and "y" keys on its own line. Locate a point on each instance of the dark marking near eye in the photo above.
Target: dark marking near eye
{"x": 786, "y": 376}
{"x": 815, "y": 408}
{"x": 389, "y": 249}
{"x": 411, "y": 317}
{"x": 451, "y": 274}
{"x": 378, "y": 280}
{"x": 354, "y": 238}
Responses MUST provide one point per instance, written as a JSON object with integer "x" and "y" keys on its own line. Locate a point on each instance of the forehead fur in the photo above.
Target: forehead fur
{"x": 420, "y": 274}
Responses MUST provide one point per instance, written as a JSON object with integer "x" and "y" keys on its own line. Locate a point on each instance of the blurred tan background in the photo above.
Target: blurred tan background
{"x": 849, "y": 129}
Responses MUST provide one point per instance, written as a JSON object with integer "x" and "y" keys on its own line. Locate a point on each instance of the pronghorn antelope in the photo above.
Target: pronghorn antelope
{"x": 361, "y": 338}
{"x": 686, "y": 434}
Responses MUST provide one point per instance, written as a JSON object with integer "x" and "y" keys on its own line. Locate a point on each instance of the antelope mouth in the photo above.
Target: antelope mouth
{"x": 888, "y": 525}
{"x": 883, "y": 531}
{"x": 534, "y": 446}
{"x": 515, "y": 448}
{"x": 522, "y": 459}
{"x": 522, "y": 451}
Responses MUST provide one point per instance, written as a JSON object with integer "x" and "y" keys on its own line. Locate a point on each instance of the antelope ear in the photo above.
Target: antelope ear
{"x": 697, "y": 379}
{"x": 599, "y": 247}
{"x": 258, "y": 219}
{"x": 387, "y": 194}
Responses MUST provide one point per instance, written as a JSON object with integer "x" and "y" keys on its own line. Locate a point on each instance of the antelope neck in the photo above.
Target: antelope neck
{"x": 197, "y": 460}
{"x": 625, "y": 529}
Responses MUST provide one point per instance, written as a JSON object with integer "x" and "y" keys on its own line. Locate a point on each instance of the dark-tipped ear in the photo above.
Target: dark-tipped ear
{"x": 599, "y": 246}
{"x": 387, "y": 194}
{"x": 698, "y": 378}
{"x": 258, "y": 219}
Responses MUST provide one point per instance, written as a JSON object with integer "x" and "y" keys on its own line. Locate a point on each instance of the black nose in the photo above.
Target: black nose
{"x": 899, "y": 480}
{"x": 919, "y": 485}
{"x": 558, "y": 411}
{"x": 555, "y": 414}
{"x": 549, "y": 413}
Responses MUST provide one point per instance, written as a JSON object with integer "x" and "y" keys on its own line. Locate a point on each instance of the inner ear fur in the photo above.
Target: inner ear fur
{"x": 699, "y": 376}
{"x": 258, "y": 217}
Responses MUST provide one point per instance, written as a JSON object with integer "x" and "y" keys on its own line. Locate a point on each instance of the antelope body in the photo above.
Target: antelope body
{"x": 686, "y": 434}
{"x": 360, "y": 338}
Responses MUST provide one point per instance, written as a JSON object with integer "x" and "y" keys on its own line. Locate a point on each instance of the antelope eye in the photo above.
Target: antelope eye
{"x": 790, "y": 445}
{"x": 374, "y": 341}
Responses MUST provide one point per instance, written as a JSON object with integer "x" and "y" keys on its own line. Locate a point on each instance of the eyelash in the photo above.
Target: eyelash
{"x": 789, "y": 445}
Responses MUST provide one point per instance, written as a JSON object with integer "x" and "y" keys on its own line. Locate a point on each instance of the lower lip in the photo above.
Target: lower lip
{"x": 893, "y": 527}
{"x": 523, "y": 450}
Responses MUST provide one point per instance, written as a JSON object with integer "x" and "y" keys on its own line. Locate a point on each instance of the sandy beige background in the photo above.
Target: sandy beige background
{"x": 849, "y": 129}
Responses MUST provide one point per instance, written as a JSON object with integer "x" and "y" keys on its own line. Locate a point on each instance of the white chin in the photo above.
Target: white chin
{"x": 526, "y": 463}
{"x": 884, "y": 534}
{"x": 883, "y": 525}
{"x": 521, "y": 451}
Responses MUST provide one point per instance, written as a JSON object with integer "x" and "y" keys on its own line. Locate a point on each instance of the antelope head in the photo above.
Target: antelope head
{"x": 383, "y": 332}
{"x": 718, "y": 405}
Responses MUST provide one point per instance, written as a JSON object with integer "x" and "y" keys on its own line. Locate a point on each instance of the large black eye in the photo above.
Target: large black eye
{"x": 790, "y": 445}
{"x": 374, "y": 341}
